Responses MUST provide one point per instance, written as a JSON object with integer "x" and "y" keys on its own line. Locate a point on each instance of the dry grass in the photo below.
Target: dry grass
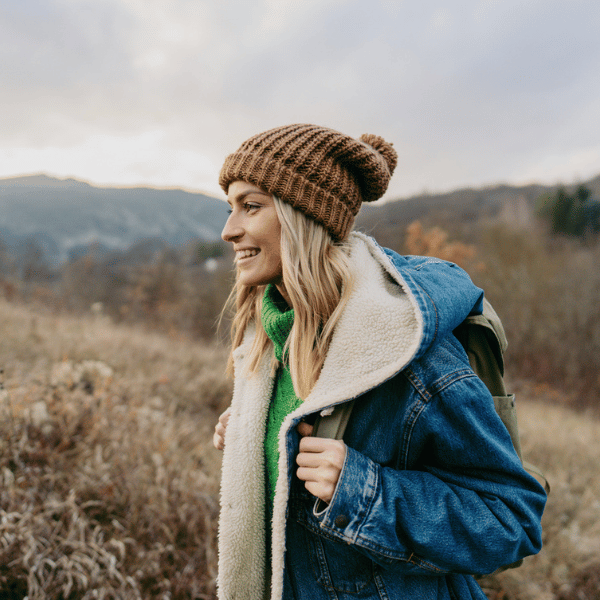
{"x": 108, "y": 482}
{"x": 546, "y": 292}
{"x": 566, "y": 446}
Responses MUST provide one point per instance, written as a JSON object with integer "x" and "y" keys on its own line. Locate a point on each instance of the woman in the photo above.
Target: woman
{"x": 426, "y": 489}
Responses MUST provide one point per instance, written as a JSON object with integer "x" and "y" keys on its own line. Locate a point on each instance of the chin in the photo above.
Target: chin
{"x": 253, "y": 281}
{"x": 256, "y": 281}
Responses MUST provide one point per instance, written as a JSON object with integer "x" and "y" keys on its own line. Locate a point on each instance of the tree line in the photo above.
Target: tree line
{"x": 576, "y": 214}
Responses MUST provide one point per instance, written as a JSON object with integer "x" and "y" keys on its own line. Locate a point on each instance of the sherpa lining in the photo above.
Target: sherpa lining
{"x": 378, "y": 335}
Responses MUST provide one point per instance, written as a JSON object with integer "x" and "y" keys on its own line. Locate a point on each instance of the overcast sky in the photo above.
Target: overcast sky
{"x": 157, "y": 92}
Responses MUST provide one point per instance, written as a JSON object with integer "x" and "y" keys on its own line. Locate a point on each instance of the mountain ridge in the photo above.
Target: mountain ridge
{"x": 62, "y": 217}
{"x": 65, "y": 214}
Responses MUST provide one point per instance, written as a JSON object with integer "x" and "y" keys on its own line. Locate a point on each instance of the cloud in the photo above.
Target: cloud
{"x": 470, "y": 92}
{"x": 144, "y": 159}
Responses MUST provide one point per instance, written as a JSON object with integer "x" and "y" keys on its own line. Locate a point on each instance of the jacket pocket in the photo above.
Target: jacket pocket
{"x": 338, "y": 566}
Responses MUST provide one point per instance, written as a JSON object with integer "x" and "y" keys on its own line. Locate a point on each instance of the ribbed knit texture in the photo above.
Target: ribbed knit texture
{"x": 277, "y": 319}
{"x": 321, "y": 172}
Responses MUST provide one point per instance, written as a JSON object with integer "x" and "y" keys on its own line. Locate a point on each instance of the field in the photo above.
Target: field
{"x": 109, "y": 482}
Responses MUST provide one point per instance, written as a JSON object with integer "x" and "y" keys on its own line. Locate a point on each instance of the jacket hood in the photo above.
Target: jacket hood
{"x": 399, "y": 308}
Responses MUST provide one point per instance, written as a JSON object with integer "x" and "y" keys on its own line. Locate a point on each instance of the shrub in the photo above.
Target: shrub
{"x": 107, "y": 476}
{"x": 546, "y": 295}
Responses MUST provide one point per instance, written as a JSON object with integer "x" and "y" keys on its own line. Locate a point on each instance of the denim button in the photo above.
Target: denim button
{"x": 341, "y": 521}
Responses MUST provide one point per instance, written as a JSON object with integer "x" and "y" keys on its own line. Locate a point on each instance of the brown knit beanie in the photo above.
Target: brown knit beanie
{"x": 319, "y": 171}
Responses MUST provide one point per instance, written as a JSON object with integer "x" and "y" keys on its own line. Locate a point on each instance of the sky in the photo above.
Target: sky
{"x": 157, "y": 92}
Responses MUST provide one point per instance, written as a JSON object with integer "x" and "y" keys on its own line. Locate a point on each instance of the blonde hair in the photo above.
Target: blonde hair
{"x": 318, "y": 281}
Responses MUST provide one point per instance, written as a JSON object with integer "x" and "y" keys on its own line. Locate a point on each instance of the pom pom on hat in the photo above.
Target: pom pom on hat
{"x": 384, "y": 148}
{"x": 319, "y": 171}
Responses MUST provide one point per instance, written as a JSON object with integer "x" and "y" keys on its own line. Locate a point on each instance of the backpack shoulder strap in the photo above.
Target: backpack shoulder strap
{"x": 483, "y": 338}
{"x": 333, "y": 425}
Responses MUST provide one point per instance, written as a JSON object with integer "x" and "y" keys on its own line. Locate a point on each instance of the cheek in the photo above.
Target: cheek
{"x": 275, "y": 243}
{"x": 275, "y": 255}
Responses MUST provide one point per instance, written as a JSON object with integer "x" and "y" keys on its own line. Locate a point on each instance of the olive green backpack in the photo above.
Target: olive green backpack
{"x": 483, "y": 338}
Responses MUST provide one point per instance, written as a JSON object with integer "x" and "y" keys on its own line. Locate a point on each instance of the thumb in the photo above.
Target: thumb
{"x": 304, "y": 429}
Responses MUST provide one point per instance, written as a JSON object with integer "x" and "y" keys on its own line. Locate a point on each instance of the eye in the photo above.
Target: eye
{"x": 251, "y": 206}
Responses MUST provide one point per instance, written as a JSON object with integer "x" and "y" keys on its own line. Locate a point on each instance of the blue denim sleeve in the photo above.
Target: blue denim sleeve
{"x": 470, "y": 507}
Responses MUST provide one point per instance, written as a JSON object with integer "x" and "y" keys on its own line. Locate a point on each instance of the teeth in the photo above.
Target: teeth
{"x": 245, "y": 253}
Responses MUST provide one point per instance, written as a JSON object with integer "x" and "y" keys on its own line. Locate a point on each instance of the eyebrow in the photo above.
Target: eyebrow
{"x": 244, "y": 195}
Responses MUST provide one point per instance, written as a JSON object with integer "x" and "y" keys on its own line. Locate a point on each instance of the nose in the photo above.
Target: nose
{"x": 232, "y": 230}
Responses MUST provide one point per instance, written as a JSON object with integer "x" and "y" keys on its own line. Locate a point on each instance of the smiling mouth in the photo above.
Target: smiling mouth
{"x": 241, "y": 255}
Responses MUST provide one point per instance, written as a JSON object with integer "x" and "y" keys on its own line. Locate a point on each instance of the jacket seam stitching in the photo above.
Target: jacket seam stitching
{"x": 442, "y": 383}
{"x": 417, "y": 384}
{"x": 370, "y": 505}
{"x": 414, "y": 559}
{"x": 439, "y": 385}
{"x": 402, "y": 556}
{"x": 412, "y": 419}
{"x": 437, "y": 318}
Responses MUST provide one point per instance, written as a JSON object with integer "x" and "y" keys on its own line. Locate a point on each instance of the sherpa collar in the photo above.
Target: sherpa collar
{"x": 378, "y": 334}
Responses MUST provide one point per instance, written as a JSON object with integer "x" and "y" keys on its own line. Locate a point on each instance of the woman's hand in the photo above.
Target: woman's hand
{"x": 220, "y": 428}
{"x": 320, "y": 462}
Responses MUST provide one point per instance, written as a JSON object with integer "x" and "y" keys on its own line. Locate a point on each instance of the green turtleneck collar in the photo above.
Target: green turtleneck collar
{"x": 277, "y": 319}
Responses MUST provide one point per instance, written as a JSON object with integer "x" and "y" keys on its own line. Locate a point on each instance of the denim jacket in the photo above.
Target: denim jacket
{"x": 431, "y": 491}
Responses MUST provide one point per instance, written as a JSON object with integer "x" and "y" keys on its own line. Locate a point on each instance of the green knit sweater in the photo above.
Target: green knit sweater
{"x": 277, "y": 319}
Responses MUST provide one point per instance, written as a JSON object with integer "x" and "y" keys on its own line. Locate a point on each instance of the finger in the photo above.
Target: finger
{"x": 309, "y": 459}
{"x": 324, "y": 492}
{"x": 218, "y": 441}
{"x": 220, "y": 429}
{"x": 331, "y": 458}
{"x": 334, "y": 457}
{"x": 307, "y": 474}
{"x": 323, "y": 476}
{"x": 304, "y": 429}
{"x": 314, "y": 444}
{"x": 224, "y": 418}
{"x": 322, "y": 473}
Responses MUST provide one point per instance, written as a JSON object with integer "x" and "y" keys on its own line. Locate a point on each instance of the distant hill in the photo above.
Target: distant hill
{"x": 462, "y": 206}
{"x": 64, "y": 216}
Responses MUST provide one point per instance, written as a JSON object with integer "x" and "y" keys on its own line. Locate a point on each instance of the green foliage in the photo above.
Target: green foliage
{"x": 576, "y": 215}
{"x": 583, "y": 193}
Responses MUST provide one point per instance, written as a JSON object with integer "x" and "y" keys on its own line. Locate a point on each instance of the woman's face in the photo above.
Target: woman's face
{"x": 255, "y": 232}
